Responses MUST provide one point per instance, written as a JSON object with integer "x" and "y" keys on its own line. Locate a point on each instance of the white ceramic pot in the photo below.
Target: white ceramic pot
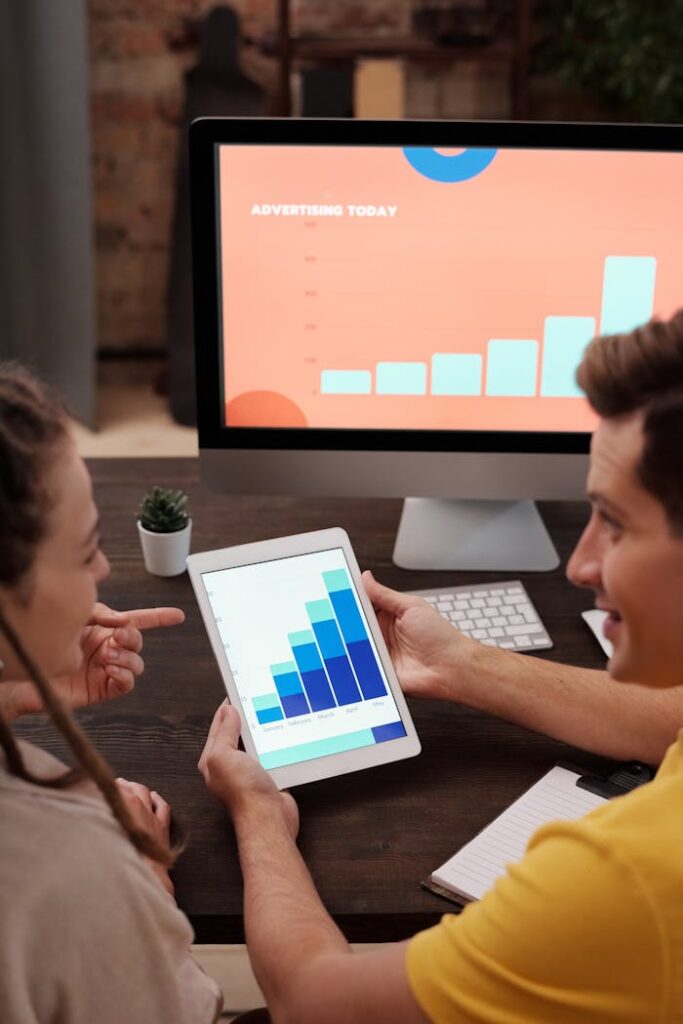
{"x": 165, "y": 553}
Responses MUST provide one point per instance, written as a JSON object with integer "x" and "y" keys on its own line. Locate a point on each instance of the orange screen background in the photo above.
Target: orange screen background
{"x": 459, "y": 264}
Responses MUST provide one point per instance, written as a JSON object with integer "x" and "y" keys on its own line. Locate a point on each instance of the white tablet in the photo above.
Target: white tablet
{"x": 302, "y": 656}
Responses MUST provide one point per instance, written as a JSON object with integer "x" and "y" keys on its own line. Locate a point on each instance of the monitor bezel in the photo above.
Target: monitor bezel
{"x": 206, "y": 134}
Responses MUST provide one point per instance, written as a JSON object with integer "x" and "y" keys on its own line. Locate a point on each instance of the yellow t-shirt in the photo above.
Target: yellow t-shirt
{"x": 587, "y": 928}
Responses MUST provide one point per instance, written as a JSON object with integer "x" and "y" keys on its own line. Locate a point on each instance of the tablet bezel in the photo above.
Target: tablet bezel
{"x": 284, "y": 547}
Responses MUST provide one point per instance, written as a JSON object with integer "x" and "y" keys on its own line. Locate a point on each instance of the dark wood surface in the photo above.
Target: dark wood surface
{"x": 370, "y": 837}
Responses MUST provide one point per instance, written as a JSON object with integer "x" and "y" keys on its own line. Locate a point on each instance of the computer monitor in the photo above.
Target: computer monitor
{"x": 397, "y": 308}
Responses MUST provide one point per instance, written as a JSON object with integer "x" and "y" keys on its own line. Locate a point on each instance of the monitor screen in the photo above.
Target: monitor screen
{"x": 398, "y": 308}
{"x": 417, "y": 288}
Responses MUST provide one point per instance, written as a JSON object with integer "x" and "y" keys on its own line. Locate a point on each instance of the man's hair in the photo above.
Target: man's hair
{"x": 642, "y": 372}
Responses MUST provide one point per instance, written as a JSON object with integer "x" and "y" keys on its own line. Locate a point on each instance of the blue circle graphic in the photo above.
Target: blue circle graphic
{"x": 440, "y": 167}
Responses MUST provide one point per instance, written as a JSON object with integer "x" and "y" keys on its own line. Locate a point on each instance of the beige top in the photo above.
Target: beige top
{"x": 87, "y": 934}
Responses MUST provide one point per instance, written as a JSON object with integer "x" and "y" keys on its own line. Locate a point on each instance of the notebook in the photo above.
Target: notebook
{"x": 471, "y": 872}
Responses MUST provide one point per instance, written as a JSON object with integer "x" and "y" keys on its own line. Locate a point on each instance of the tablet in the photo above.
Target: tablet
{"x": 302, "y": 656}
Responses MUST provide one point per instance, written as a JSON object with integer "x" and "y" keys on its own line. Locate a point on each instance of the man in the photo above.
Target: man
{"x": 589, "y": 925}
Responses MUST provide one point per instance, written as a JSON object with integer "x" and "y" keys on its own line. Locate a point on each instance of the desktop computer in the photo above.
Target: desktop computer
{"x": 398, "y": 308}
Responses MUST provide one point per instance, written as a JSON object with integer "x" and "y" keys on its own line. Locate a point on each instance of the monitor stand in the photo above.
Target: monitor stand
{"x": 505, "y": 536}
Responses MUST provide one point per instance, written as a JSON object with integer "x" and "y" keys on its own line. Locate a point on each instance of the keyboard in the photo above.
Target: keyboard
{"x": 496, "y": 614}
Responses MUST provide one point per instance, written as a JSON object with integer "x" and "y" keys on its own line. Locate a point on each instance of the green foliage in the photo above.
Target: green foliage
{"x": 627, "y": 52}
{"x": 163, "y": 510}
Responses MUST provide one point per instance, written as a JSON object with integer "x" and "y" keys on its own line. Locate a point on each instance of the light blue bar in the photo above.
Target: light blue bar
{"x": 401, "y": 378}
{"x": 564, "y": 341}
{"x": 304, "y": 636}
{"x": 270, "y": 700}
{"x": 319, "y": 611}
{"x": 317, "y": 748}
{"x": 345, "y": 382}
{"x": 283, "y": 668}
{"x": 511, "y": 367}
{"x": 336, "y": 579}
{"x": 456, "y": 374}
{"x": 628, "y": 293}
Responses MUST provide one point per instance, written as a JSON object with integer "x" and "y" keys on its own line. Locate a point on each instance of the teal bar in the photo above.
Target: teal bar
{"x": 319, "y": 611}
{"x": 283, "y": 668}
{"x": 455, "y": 374}
{"x": 401, "y": 378}
{"x": 511, "y": 367}
{"x": 270, "y": 700}
{"x": 345, "y": 382}
{"x": 336, "y": 579}
{"x": 318, "y": 748}
{"x": 564, "y": 341}
{"x": 304, "y": 636}
{"x": 628, "y": 293}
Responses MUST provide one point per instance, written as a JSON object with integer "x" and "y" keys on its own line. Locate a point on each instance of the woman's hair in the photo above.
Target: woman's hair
{"x": 33, "y": 426}
{"x": 642, "y": 372}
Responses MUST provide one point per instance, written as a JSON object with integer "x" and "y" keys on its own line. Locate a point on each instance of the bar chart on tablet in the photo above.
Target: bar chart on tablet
{"x": 302, "y": 656}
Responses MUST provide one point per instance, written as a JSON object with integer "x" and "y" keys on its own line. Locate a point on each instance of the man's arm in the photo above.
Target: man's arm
{"x": 578, "y": 706}
{"x": 302, "y": 961}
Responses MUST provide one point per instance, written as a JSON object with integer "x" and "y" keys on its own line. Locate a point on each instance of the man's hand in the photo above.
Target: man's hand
{"x": 424, "y": 648}
{"x": 151, "y": 814}
{"x": 111, "y": 644}
{"x": 234, "y": 777}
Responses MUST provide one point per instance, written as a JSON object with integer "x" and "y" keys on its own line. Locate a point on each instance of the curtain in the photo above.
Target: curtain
{"x": 47, "y": 301}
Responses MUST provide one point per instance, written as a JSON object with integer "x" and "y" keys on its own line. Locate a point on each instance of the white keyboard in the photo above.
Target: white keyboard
{"x": 497, "y": 614}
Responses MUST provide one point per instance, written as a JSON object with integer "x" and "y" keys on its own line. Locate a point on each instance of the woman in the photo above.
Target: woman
{"x": 89, "y": 929}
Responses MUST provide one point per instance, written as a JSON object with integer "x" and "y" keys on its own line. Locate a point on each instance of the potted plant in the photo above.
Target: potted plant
{"x": 164, "y": 527}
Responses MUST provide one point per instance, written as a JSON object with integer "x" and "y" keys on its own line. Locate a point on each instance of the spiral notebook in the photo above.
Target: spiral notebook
{"x": 558, "y": 796}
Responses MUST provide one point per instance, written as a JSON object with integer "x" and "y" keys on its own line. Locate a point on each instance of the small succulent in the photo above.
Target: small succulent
{"x": 163, "y": 510}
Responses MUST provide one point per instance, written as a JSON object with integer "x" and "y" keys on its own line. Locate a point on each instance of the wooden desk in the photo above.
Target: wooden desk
{"x": 368, "y": 838}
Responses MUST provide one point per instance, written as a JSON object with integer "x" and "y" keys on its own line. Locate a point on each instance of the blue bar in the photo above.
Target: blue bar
{"x": 628, "y": 293}
{"x": 313, "y": 675}
{"x": 269, "y": 715}
{"x": 401, "y": 379}
{"x": 318, "y": 748}
{"x": 333, "y": 651}
{"x": 366, "y": 669}
{"x": 290, "y": 690}
{"x": 295, "y": 705}
{"x": 564, "y": 342}
{"x": 456, "y": 374}
{"x": 511, "y": 367}
{"x": 348, "y": 616}
{"x": 345, "y": 382}
{"x": 390, "y": 731}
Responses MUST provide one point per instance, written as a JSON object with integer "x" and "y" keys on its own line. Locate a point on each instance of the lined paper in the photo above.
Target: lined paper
{"x": 472, "y": 871}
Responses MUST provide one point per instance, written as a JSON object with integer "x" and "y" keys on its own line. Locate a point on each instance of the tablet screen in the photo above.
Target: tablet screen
{"x": 303, "y": 657}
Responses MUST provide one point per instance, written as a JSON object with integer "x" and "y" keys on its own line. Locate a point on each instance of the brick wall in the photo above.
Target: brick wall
{"x": 139, "y": 52}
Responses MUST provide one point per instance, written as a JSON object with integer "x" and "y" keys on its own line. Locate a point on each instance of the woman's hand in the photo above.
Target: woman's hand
{"x": 425, "y": 649}
{"x": 111, "y": 644}
{"x": 235, "y": 778}
{"x": 152, "y": 814}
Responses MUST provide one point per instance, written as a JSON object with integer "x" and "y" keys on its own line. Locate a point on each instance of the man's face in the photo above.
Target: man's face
{"x": 630, "y": 558}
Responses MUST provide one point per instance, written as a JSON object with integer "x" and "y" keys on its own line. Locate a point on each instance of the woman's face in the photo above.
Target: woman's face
{"x": 55, "y": 600}
{"x": 631, "y": 559}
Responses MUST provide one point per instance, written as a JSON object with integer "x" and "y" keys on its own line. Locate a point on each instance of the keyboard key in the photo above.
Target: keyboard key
{"x": 506, "y": 643}
{"x": 455, "y": 616}
{"x": 523, "y": 641}
{"x": 514, "y": 590}
{"x": 466, "y": 626}
{"x": 500, "y": 620}
{"x": 474, "y": 613}
{"x": 497, "y": 631}
{"x": 483, "y": 623}
{"x": 497, "y": 592}
{"x": 507, "y": 610}
{"x": 431, "y": 599}
{"x": 539, "y": 641}
{"x": 478, "y": 602}
{"x": 445, "y": 606}
{"x": 479, "y": 634}
{"x": 464, "y": 595}
{"x": 494, "y": 602}
{"x": 524, "y": 630}
{"x": 516, "y": 620}
{"x": 461, "y": 605}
